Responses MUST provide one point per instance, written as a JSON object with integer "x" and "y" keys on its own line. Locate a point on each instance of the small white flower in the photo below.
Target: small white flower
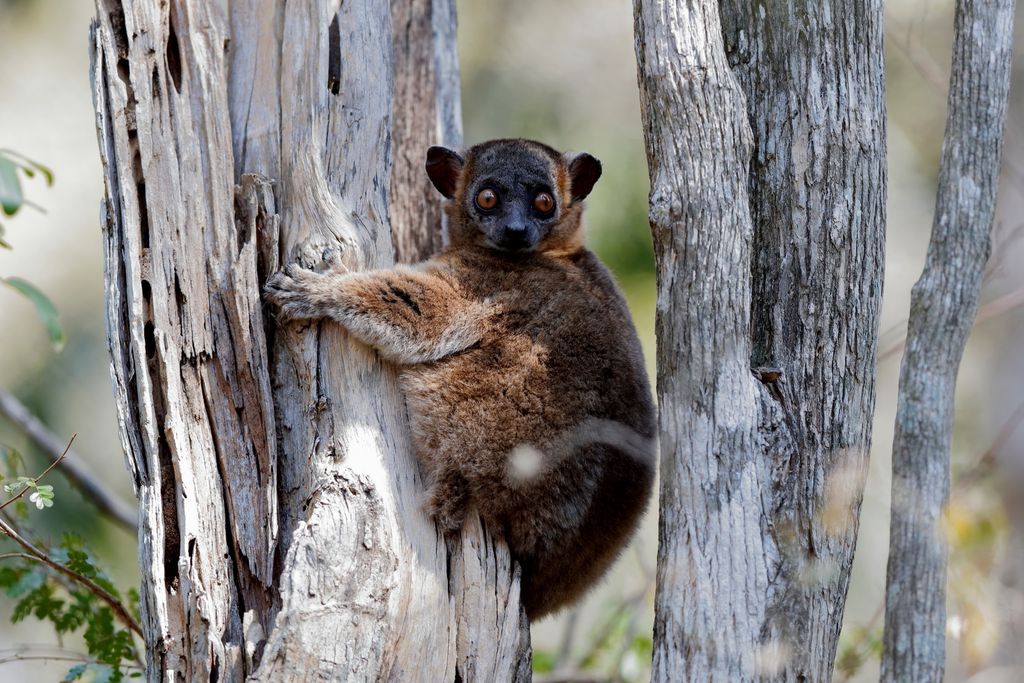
{"x": 41, "y": 501}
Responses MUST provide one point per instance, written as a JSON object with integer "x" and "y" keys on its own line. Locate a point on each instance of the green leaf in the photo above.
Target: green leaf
{"x": 21, "y": 483}
{"x": 9, "y": 577}
{"x": 11, "y": 197}
{"x": 47, "y": 173}
{"x": 3, "y": 243}
{"x": 39, "y": 602}
{"x": 41, "y": 500}
{"x": 29, "y": 166}
{"x": 45, "y": 309}
{"x": 73, "y": 608}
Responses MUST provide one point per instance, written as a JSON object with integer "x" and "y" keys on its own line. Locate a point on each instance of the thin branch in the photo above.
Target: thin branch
{"x": 983, "y": 465}
{"x": 48, "y": 653}
{"x": 66, "y": 580}
{"x": 1001, "y": 305}
{"x": 66, "y": 583}
{"x": 19, "y": 556}
{"x": 120, "y": 611}
{"x": 943, "y": 308}
{"x": 933, "y": 72}
{"x": 918, "y": 57}
{"x": 74, "y": 467}
{"x": 35, "y": 480}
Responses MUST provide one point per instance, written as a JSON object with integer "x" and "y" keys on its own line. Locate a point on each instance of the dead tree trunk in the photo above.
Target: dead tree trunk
{"x": 281, "y": 533}
{"x": 942, "y": 309}
{"x": 765, "y": 130}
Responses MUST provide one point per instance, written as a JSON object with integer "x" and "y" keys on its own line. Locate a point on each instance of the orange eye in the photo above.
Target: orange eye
{"x": 543, "y": 202}
{"x": 487, "y": 199}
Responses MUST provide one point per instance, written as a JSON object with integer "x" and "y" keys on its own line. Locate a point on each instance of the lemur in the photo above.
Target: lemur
{"x": 523, "y": 375}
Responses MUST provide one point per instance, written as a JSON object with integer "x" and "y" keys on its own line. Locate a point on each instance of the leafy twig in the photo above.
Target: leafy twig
{"x": 32, "y": 652}
{"x": 73, "y": 468}
{"x": 119, "y": 610}
{"x": 35, "y": 480}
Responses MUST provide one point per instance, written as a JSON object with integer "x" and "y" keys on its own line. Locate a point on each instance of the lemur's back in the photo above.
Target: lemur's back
{"x": 550, "y": 416}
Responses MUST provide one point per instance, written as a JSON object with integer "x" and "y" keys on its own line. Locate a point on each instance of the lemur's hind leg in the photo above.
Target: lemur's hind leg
{"x": 448, "y": 500}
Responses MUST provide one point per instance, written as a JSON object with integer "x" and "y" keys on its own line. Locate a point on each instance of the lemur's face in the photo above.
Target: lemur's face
{"x": 513, "y": 195}
{"x": 511, "y": 198}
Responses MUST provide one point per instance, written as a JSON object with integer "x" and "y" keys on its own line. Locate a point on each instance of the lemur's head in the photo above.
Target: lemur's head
{"x": 515, "y": 196}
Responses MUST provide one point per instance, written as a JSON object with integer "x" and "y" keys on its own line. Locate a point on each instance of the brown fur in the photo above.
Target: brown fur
{"x": 524, "y": 379}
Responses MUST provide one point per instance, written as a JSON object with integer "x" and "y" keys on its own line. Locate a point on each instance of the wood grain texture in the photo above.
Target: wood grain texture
{"x": 283, "y": 536}
{"x": 424, "y": 48}
{"x": 766, "y": 145}
{"x": 943, "y": 305}
{"x": 814, "y": 78}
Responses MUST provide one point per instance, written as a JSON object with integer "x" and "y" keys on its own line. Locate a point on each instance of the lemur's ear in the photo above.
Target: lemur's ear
{"x": 444, "y": 167}
{"x": 584, "y": 170}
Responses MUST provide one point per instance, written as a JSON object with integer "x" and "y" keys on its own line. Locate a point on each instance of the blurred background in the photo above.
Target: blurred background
{"x": 564, "y": 73}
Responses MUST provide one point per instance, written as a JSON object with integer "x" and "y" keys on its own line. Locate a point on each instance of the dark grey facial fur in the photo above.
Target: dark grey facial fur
{"x": 517, "y": 176}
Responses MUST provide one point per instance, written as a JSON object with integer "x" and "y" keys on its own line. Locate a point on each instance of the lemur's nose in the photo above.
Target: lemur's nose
{"x": 515, "y": 235}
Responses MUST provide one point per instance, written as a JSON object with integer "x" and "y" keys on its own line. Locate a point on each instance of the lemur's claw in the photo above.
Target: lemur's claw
{"x": 290, "y": 293}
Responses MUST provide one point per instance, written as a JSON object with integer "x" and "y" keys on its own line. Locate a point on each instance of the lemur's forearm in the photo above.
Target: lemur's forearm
{"x": 410, "y": 316}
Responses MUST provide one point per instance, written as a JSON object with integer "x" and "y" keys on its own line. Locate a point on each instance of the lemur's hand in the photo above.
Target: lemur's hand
{"x": 297, "y": 293}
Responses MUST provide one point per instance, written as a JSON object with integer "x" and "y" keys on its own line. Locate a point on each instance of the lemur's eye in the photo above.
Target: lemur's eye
{"x": 487, "y": 199}
{"x": 543, "y": 202}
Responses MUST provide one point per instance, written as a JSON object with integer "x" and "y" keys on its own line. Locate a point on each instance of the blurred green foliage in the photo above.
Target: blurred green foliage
{"x": 63, "y": 599}
{"x": 12, "y": 198}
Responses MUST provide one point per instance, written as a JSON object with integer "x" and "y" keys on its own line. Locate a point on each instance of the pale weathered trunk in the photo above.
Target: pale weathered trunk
{"x": 765, "y": 130}
{"x": 281, "y": 530}
{"x": 942, "y": 309}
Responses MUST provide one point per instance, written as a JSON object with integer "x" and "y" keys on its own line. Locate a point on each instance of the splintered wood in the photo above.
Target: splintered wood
{"x": 282, "y": 535}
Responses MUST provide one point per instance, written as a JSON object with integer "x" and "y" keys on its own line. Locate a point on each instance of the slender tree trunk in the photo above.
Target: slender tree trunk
{"x": 942, "y": 309}
{"x": 765, "y": 130}
{"x": 281, "y": 530}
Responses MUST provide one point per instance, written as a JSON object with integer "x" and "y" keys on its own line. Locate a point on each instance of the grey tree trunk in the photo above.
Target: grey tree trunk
{"x": 943, "y": 304}
{"x": 281, "y": 531}
{"x": 765, "y": 131}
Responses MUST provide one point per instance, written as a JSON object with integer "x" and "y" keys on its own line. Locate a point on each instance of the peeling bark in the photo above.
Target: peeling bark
{"x": 943, "y": 305}
{"x": 765, "y": 139}
{"x": 282, "y": 535}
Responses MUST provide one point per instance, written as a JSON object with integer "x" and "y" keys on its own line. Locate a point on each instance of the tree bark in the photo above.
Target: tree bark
{"x": 943, "y": 305}
{"x": 281, "y": 536}
{"x": 765, "y": 131}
